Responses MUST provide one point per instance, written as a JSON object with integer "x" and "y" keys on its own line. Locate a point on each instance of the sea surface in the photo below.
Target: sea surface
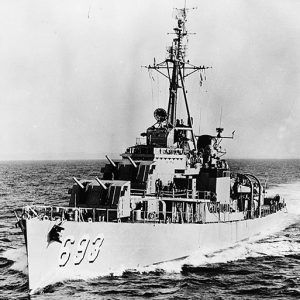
{"x": 267, "y": 267}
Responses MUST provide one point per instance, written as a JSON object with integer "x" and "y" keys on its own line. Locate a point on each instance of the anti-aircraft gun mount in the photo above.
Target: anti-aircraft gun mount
{"x": 209, "y": 148}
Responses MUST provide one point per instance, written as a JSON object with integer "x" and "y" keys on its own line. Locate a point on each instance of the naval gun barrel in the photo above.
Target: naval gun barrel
{"x": 110, "y": 161}
{"x": 101, "y": 183}
{"x": 78, "y": 182}
{"x": 132, "y": 161}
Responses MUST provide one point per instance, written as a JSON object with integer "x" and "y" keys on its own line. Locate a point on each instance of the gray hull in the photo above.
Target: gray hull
{"x": 98, "y": 248}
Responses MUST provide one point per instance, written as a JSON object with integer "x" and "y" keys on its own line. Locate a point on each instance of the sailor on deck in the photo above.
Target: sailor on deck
{"x": 158, "y": 187}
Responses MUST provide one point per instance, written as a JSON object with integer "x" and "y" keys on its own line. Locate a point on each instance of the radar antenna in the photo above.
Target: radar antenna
{"x": 176, "y": 68}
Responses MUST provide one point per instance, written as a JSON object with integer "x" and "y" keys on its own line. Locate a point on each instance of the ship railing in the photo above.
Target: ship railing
{"x": 265, "y": 210}
{"x": 141, "y": 141}
{"x": 138, "y": 192}
{"x": 206, "y": 195}
{"x": 251, "y": 214}
{"x": 166, "y": 217}
{"x": 173, "y": 194}
{"x": 216, "y": 207}
{"x": 164, "y": 151}
{"x": 225, "y": 215}
{"x": 80, "y": 214}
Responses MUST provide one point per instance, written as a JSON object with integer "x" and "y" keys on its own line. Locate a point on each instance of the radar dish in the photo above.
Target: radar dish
{"x": 160, "y": 115}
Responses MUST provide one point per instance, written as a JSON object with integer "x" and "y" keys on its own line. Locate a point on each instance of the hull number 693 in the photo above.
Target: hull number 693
{"x": 85, "y": 248}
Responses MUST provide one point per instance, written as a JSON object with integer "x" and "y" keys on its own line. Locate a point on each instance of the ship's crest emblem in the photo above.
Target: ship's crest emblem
{"x": 54, "y": 234}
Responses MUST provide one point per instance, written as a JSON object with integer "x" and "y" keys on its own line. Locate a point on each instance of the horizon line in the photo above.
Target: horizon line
{"x": 113, "y": 157}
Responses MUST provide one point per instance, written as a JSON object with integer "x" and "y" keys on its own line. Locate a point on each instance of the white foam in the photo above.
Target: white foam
{"x": 265, "y": 244}
{"x": 255, "y": 247}
{"x": 19, "y": 257}
{"x": 291, "y": 193}
{"x": 241, "y": 250}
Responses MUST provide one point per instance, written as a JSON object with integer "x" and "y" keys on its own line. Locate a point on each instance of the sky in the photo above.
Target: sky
{"x": 73, "y": 86}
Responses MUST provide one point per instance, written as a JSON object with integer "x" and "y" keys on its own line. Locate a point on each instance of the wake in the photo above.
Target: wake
{"x": 291, "y": 194}
{"x": 276, "y": 241}
{"x": 19, "y": 257}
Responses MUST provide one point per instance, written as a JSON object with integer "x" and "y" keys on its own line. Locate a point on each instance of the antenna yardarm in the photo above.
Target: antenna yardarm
{"x": 175, "y": 68}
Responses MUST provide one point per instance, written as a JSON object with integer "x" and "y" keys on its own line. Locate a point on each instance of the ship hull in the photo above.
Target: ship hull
{"x": 91, "y": 249}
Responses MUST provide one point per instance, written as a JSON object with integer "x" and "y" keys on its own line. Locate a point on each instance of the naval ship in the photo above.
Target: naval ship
{"x": 170, "y": 195}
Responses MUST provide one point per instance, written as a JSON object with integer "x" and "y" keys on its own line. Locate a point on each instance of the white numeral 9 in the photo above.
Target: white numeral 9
{"x": 96, "y": 245}
{"x": 81, "y": 249}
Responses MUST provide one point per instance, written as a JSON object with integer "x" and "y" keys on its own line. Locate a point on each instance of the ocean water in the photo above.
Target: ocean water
{"x": 266, "y": 267}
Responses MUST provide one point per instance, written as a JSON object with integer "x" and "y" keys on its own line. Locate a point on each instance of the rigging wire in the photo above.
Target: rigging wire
{"x": 206, "y": 97}
{"x": 158, "y": 98}
{"x": 221, "y": 112}
{"x": 202, "y": 78}
{"x": 151, "y": 82}
{"x": 200, "y": 121}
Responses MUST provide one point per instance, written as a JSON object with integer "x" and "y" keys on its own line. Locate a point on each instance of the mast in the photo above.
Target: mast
{"x": 176, "y": 60}
{"x": 175, "y": 68}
